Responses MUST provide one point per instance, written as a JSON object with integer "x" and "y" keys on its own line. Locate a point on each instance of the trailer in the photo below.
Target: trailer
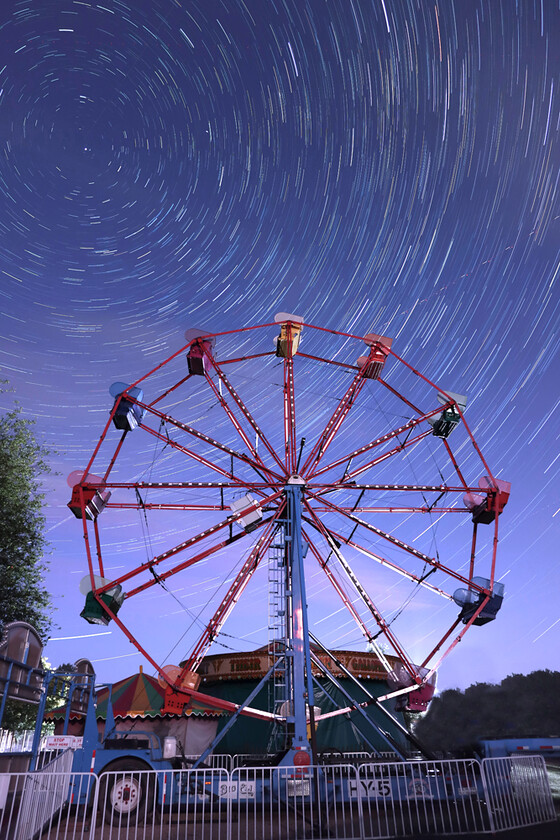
{"x": 501, "y": 747}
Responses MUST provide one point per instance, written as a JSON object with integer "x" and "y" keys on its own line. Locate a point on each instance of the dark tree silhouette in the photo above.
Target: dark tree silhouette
{"x": 520, "y": 706}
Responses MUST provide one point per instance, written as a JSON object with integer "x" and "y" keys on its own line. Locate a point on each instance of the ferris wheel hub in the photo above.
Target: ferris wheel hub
{"x": 296, "y": 479}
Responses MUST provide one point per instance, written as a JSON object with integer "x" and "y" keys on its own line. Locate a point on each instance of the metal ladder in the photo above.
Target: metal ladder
{"x": 278, "y": 685}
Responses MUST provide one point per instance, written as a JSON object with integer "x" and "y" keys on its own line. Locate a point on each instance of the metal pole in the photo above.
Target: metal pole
{"x": 297, "y": 632}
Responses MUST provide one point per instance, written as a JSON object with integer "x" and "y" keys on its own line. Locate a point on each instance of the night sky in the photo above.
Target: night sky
{"x": 372, "y": 165}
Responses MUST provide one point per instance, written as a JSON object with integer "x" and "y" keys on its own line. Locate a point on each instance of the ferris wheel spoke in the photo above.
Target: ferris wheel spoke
{"x": 160, "y": 578}
{"x": 162, "y": 506}
{"x": 246, "y": 413}
{"x": 214, "y": 626}
{"x": 364, "y": 595}
{"x": 339, "y": 589}
{"x": 418, "y": 579}
{"x": 321, "y": 489}
{"x": 393, "y": 540}
{"x": 189, "y": 453}
{"x": 431, "y": 561}
{"x": 352, "y": 474}
{"x": 186, "y": 485}
{"x": 239, "y": 481}
{"x": 289, "y": 415}
{"x": 202, "y": 555}
{"x": 150, "y": 565}
{"x": 255, "y": 464}
{"x": 381, "y": 509}
{"x": 237, "y": 425}
{"x": 384, "y": 535}
{"x": 333, "y": 425}
{"x": 406, "y": 427}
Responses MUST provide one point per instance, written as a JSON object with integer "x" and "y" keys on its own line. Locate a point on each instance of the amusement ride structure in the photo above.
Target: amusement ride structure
{"x": 287, "y": 446}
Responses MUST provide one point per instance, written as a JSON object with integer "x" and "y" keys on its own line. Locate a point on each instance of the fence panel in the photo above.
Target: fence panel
{"x": 10, "y": 742}
{"x": 518, "y": 791}
{"x": 421, "y": 797}
{"x": 274, "y": 803}
{"x": 47, "y": 805}
{"x": 150, "y": 805}
{"x": 247, "y": 759}
{"x": 54, "y": 760}
{"x": 376, "y": 800}
{"x": 217, "y": 761}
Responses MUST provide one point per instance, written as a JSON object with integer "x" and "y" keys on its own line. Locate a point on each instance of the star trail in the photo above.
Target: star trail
{"x": 385, "y": 166}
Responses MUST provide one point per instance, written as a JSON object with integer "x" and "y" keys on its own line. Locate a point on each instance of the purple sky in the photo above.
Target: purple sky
{"x": 372, "y": 166}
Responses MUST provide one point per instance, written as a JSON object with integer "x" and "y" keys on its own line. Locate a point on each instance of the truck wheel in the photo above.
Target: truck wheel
{"x": 127, "y": 795}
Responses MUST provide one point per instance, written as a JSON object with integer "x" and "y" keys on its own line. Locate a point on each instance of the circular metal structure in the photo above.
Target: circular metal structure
{"x": 221, "y": 447}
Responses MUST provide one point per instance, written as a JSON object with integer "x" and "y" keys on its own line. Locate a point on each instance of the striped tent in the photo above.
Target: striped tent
{"x": 142, "y": 696}
{"x": 138, "y": 695}
{"x": 137, "y": 704}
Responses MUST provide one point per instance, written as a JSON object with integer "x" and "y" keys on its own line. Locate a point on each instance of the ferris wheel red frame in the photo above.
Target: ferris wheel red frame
{"x": 261, "y": 508}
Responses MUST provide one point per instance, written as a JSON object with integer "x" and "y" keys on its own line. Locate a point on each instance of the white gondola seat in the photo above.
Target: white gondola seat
{"x": 469, "y": 600}
{"x": 250, "y": 520}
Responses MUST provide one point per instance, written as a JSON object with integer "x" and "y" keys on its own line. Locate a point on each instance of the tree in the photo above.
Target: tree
{"x": 520, "y": 706}
{"x": 23, "y": 462}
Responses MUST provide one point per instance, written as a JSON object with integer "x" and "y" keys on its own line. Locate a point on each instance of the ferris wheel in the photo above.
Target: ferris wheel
{"x": 321, "y": 448}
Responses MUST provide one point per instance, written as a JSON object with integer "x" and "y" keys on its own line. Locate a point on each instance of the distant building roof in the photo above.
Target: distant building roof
{"x": 253, "y": 665}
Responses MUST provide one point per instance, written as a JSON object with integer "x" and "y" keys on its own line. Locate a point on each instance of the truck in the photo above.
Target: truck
{"x": 121, "y": 754}
{"x": 137, "y": 770}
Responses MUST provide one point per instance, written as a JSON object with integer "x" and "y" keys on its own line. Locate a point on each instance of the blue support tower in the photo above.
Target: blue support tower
{"x": 298, "y": 656}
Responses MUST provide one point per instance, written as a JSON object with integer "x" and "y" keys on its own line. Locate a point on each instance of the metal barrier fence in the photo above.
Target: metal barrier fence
{"x": 326, "y": 757}
{"x": 47, "y": 804}
{"x": 10, "y": 742}
{"x": 428, "y": 797}
{"x": 217, "y": 761}
{"x": 518, "y": 791}
{"x": 342, "y": 802}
